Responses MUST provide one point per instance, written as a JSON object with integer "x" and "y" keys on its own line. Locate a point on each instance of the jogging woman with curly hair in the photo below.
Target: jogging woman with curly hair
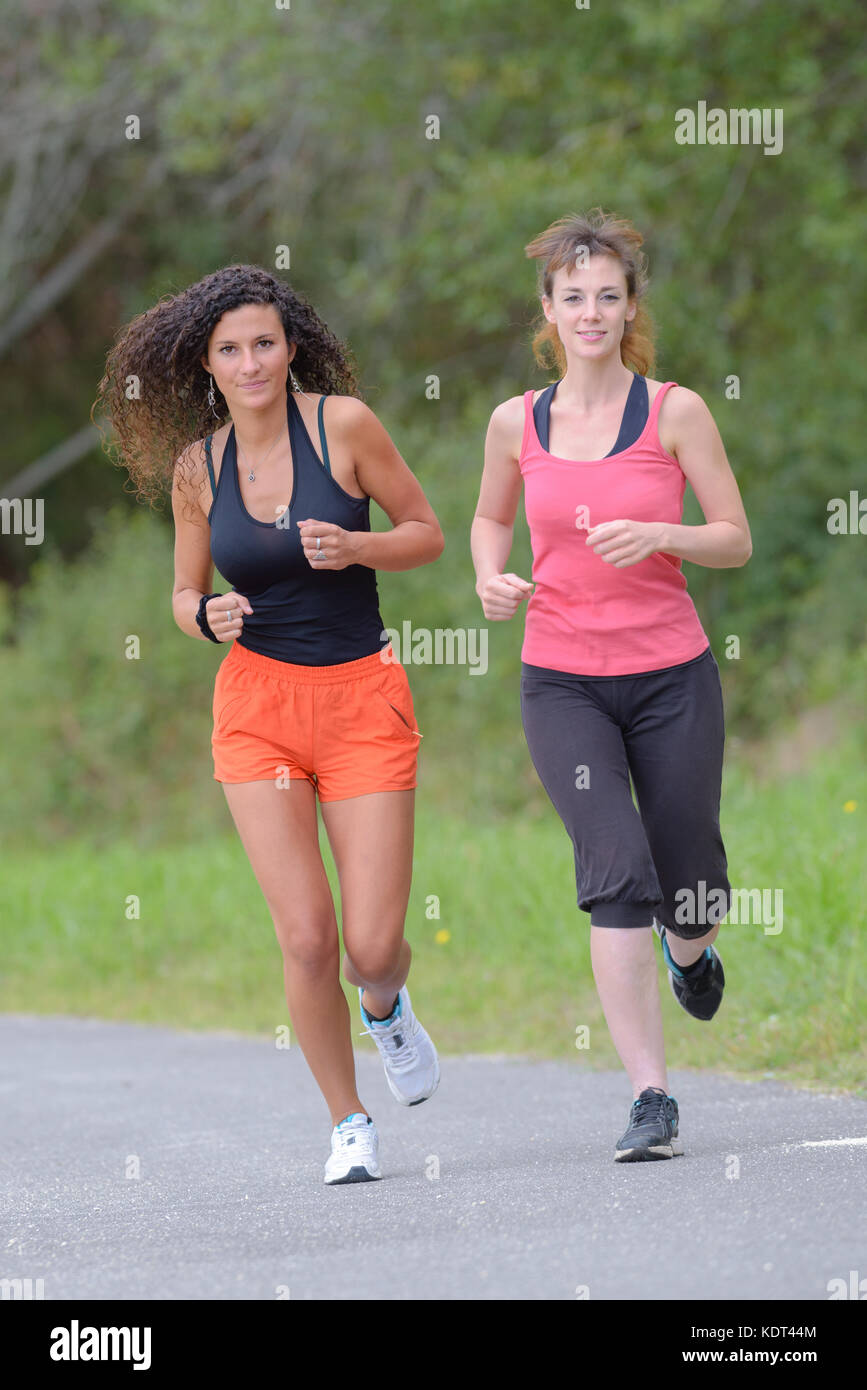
{"x": 310, "y": 702}
{"x": 618, "y": 679}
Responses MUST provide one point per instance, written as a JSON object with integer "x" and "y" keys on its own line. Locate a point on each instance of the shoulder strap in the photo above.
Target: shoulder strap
{"x": 635, "y": 416}
{"x": 654, "y": 414}
{"x": 660, "y": 397}
{"x": 542, "y": 413}
{"x": 210, "y": 465}
{"x": 325, "y": 459}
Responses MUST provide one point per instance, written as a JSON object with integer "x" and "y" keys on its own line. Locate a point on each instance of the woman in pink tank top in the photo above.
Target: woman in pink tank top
{"x": 619, "y": 685}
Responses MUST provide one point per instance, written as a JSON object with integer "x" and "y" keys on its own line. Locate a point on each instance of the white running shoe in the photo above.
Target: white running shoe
{"x": 412, "y": 1067}
{"x": 354, "y": 1151}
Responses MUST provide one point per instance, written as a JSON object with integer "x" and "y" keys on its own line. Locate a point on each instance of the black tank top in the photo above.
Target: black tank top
{"x": 633, "y": 422}
{"x": 306, "y": 616}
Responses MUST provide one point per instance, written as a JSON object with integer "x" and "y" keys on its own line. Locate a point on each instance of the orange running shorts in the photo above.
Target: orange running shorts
{"x": 348, "y": 729}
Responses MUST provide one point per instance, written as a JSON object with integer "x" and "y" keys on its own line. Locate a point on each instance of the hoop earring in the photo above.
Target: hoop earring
{"x": 212, "y": 400}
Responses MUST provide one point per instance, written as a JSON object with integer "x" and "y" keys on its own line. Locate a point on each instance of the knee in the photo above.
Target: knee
{"x": 309, "y": 946}
{"x": 374, "y": 962}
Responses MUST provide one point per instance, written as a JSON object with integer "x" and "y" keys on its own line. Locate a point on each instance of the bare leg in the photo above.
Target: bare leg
{"x": 279, "y": 831}
{"x": 685, "y": 952}
{"x": 372, "y": 840}
{"x": 625, "y": 970}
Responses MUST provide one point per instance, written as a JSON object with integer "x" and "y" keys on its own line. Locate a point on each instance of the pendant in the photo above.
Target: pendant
{"x": 251, "y": 477}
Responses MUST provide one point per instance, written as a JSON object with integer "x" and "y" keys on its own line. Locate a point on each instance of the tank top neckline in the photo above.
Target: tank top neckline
{"x": 291, "y": 406}
{"x": 590, "y": 463}
{"x": 230, "y": 454}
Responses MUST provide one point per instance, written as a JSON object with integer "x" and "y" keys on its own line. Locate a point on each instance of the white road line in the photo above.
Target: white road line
{"x": 827, "y": 1143}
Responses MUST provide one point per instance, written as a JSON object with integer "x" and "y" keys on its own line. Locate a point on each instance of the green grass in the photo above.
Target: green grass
{"x": 513, "y": 975}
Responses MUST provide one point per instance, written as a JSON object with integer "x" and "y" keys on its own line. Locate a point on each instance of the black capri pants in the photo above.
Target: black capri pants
{"x": 587, "y": 735}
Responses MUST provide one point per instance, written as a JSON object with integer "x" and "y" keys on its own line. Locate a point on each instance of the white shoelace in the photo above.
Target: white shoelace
{"x": 357, "y": 1137}
{"x": 400, "y": 1058}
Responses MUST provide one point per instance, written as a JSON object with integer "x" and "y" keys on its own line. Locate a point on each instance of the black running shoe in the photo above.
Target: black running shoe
{"x": 701, "y": 995}
{"x": 652, "y": 1131}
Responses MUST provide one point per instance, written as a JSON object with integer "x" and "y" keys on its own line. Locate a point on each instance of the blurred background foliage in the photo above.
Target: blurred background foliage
{"x": 305, "y": 127}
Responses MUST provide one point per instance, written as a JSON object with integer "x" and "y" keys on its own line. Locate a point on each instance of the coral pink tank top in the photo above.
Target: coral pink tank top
{"x": 586, "y": 616}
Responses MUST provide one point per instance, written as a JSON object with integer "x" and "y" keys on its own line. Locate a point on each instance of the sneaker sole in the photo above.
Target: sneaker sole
{"x": 650, "y": 1154}
{"x": 355, "y": 1174}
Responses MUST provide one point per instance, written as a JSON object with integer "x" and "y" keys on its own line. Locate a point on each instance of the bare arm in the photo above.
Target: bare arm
{"x": 493, "y": 525}
{"x": 724, "y": 540}
{"x": 415, "y": 539}
{"x": 194, "y": 568}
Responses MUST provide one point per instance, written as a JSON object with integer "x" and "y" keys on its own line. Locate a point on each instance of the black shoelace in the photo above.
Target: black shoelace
{"x": 649, "y": 1106}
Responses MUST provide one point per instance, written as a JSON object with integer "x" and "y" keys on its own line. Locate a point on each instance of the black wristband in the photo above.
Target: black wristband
{"x": 201, "y": 616}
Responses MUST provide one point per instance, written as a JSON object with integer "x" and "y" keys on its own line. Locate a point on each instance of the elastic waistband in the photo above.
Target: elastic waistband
{"x": 529, "y": 670}
{"x": 290, "y": 674}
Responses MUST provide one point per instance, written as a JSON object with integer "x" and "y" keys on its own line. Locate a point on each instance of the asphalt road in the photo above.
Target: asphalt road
{"x": 228, "y": 1138}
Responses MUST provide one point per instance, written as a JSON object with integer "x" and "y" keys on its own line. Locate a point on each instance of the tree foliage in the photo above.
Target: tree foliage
{"x": 308, "y": 127}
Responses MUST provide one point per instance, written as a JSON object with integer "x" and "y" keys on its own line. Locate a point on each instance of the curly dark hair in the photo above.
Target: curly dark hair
{"x": 161, "y": 351}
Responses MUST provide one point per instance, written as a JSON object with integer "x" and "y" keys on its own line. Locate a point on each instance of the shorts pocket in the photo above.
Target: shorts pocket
{"x": 396, "y": 696}
{"x": 223, "y": 714}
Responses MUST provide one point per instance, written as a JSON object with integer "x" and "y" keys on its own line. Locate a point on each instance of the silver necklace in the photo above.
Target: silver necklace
{"x": 251, "y": 476}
